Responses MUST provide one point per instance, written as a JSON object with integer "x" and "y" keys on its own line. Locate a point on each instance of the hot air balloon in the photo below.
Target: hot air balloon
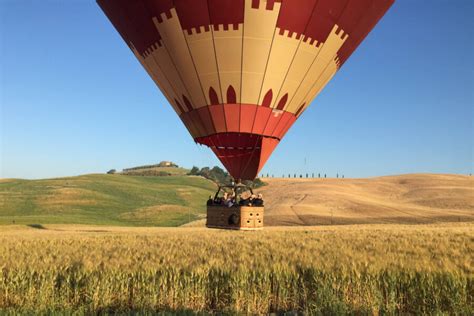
{"x": 239, "y": 73}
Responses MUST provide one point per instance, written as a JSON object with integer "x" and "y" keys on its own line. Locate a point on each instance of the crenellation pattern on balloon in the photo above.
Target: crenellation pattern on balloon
{"x": 288, "y": 33}
{"x": 167, "y": 15}
{"x": 263, "y": 4}
{"x": 197, "y": 30}
{"x": 227, "y": 27}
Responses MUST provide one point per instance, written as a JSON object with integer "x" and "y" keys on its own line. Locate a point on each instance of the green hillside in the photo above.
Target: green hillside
{"x": 105, "y": 200}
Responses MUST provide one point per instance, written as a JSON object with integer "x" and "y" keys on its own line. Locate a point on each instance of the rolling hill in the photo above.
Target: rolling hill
{"x": 175, "y": 200}
{"x": 105, "y": 200}
{"x": 410, "y": 199}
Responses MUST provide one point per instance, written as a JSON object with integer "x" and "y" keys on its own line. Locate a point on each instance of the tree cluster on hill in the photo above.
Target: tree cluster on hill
{"x": 159, "y": 165}
{"x": 147, "y": 173}
{"x": 221, "y": 177}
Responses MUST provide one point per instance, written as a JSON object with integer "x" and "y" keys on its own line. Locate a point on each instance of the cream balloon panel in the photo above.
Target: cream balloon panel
{"x": 322, "y": 81}
{"x": 151, "y": 62}
{"x": 325, "y": 59}
{"x": 175, "y": 42}
{"x": 159, "y": 77}
{"x": 228, "y": 45}
{"x": 284, "y": 48}
{"x": 201, "y": 46}
{"x": 259, "y": 30}
{"x": 159, "y": 61}
{"x": 304, "y": 57}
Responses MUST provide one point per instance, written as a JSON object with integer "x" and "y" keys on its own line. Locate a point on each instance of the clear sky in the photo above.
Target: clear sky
{"x": 74, "y": 99}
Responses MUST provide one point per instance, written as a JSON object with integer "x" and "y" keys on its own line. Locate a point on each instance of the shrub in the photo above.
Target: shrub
{"x": 194, "y": 171}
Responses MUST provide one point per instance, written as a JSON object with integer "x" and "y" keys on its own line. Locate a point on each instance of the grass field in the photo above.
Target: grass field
{"x": 105, "y": 200}
{"x": 363, "y": 269}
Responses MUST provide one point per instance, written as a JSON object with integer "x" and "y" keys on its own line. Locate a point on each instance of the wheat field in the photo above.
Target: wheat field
{"x": 399, "y": 199}
{"x": 365, "y": 269}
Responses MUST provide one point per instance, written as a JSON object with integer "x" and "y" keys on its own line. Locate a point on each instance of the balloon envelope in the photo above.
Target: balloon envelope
{"x": 240, "y": 72}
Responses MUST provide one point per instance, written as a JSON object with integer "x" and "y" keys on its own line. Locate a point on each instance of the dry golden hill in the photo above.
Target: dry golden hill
{"x": 414, "y": 198}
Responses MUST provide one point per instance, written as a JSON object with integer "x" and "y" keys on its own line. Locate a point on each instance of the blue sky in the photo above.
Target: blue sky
{"x": 74, "y": 100}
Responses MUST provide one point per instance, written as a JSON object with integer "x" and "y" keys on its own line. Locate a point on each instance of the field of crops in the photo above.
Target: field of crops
{"x": 339, "y": 269}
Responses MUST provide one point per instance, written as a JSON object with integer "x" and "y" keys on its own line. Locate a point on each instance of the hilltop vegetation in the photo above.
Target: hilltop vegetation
{"x": 168, "y": 168}
{"x": 163, "y": 164}
{"x": 338, "y": 270}
{"x": 164, "y": 168}
{"x": 221, "y": 177}
{"x": 156, "y": 171}
{"x": 105, "y": 200}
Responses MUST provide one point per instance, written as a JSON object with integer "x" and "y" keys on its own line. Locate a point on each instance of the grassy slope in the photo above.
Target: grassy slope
{"x": 410, "y": 199}
{"x": 105, "y": 200}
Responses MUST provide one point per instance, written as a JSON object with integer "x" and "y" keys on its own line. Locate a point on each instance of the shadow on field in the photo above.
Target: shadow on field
{"x": 37, "y": 226}
{"x": 146, "y": 311}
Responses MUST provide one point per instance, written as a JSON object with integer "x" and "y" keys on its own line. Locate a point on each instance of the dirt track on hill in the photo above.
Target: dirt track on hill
{"x": 405, "y": 199}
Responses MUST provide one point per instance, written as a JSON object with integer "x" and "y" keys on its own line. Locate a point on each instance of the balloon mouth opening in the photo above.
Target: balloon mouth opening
{"x": 242, "y": 154}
